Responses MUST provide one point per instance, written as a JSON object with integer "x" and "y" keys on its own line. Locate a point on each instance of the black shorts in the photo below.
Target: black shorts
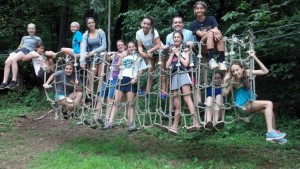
{"x": 125, "y": 85}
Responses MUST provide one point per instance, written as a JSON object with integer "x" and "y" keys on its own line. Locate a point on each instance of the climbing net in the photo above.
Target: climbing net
{"x": 150, "y": 109}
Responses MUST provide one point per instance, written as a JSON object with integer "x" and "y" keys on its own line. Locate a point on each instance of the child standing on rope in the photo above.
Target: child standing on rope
{"x": 214, "y": 104}
{"x": 109, "y": 87}
{"x": 206, "y": 30}
{"x": 40, "y": 63}
{"x": 28, "y": 44}
{"x": 68, "y": 87}
{"x": 149, "y": 38}
{"x": 132, "y": 67}
{"x": 181, "y": 80}
{"x": 93, "y": 43}
{"x": 245, "y": 98}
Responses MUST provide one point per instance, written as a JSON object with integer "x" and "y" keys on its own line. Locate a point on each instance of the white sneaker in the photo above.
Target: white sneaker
{"x": 213, "y": 64}
{"x": 222, "y": 66}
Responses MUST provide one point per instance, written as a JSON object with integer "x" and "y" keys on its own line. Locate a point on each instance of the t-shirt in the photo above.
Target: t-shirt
{"x": 187, "y": 36}
{"x": 132, "y": 64}
{"x": 29, "y": 42}
{"x": 218, "y": 90}
{"x": 63, "y": 80}
{"x": 37, "y": 62}
{"x": 77, "y": 38}
{"x": 208, "y": 23}
{"x": 147, "y": 40}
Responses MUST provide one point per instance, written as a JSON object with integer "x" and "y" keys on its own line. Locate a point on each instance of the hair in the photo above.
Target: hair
{"x": 120, "y": 40}
{"x": 130, "y": 42}
{"x": 31, "y": 25}
{"x": 179, "y": 33}
{"x": 70, "y": 64}
{"x": 76, "y": 23}
{"x": 177, "y": 16}
{"x": 200, "y": 3}
{"x": 152, "y": 24}
{"x": 220, "y": 73}
{"x": 39, "y": 44}
{"x": 245, "y": 80}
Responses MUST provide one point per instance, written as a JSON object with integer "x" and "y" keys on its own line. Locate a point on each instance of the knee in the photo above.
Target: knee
{"x": 210, "y": 35}
{"x": 7, "y": 62}
{"x": 269, "y": 104}
{"x": 176, "y": 104}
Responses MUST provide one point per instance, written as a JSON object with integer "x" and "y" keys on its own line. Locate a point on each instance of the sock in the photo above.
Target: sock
{"x": 221, "y": 56}
{"x": 211, "y": 53}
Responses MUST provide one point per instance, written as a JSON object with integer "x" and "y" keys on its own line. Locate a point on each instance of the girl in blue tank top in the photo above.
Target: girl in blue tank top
{"x": 244, "y": 97}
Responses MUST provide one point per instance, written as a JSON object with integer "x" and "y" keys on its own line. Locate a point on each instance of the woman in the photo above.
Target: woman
{"x": 28, "y": 44}
{"x": 93, "y": 43}
{"x": 68, "y": 87}
{"x": 149, "y": 38}
{"x": 133, "y": 67}
{"x": 181, "y": 79}
{"x": 206, "y": 30}
{"x": 245, "y": 99}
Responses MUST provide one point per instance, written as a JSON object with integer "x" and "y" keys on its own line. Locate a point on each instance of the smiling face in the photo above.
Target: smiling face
{"x": 177, "y": 38}
{"x": 177, "y": 24}
{"x": 90, "y": 23}
{"x": 146, "y": 25}
{"x": 120, "y": 46}
{"x": 69, "y": 70}
{"x": 199, "y": 10}
{"x": 237, "y": 71}
{"x": 218, "y": 79}
{"x": 131, "y": 47}
{"x": 31, "y": 29}
{"x": 74, "y": 27}
{"x": 40, "y": 50}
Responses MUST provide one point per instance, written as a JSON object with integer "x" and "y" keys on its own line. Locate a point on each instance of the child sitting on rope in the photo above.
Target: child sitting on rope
{"x": 181, "y": 80}
{"x": 245, "y": 99}
{"x": 28, "y": 44}
{"x": 108, "y": 88}
{"x": 206, "y": 30}
{"x": 40, "y": 63}
{"x": 68, "y": 87}
{"x": 132, "y": 67}
{"x": 214, "y": 104}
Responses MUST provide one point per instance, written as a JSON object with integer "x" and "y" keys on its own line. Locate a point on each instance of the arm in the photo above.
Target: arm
{"x": 225, "y": 85}
{"x": 169, "y": 62}
{"x": 156, "y": 47}
{"x": 83, "y": 46}
{"x": 186, "y": 61}
{"x": 30, "y": 56}
{"x": 140, "y": 49}
{"x": 51, "y": 78}
{"x": 262, "y": 71}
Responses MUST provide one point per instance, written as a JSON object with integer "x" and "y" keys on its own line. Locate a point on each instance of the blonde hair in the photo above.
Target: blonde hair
{"x": 76, "y": 23}
{"x": 31, "y": 25}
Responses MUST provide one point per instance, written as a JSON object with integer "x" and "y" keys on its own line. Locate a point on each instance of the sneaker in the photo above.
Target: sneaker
{"x": 209, "y": 125}
{"x": 132, "y": 128}
{"x": 163, "y": 95}
{"x": 213, "y": 64}
{"x": 222, "y": 66}
{"x": 273, "y": 135}
{"x": 3, "y": 86}
{"x": 12, "y": 85}
{"x": 200, "y": 104}
{"x": 107, "y": 126}
{"x": 280, "y": 141}
{"x": 220, "y": 125}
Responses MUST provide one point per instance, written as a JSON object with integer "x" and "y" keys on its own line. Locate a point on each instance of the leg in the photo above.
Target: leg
{"x": 68, "y": 51}
{"x": 177, "y": 107}
{"x": 219, "y": 101}
{"x": 14, "y": 63}
{"x": 99, "y": 74}
{"x": 163, "y": 74}
{"x": 150, "y": 77}
{"x": 8, "y": 64}
{"x": 114, "y": 109}
{"x": 130, "y": 99}
{"x": 76, "y": 97}
{"x": 208, "y": 103}
{"x": 186, "y": 90}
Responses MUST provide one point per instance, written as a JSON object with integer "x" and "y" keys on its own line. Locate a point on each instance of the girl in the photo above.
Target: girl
{"x": 68, "y": 87}
{"x": 218, "y": 102}
{"x": 28, "y": 44}
{"x": 108, "y": 88}
{"x": 149, "y": 38}
{"x": 133, "y": 65}
{"x": 39, "y": 61}
{"x": 239, "y": 76}
{"x": 206, "y": 30}
{"x": 77, "y": 39}
{"x": 93, "y": 43}
{"x": 181, "y": 80}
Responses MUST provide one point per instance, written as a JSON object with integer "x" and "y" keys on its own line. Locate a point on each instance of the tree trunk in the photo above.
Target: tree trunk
{"x": 63, "y": 27}
{"x": 118, "y": 26}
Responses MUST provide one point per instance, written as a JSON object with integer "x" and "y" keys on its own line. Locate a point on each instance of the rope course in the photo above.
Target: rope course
{"x": 150, "y": 109}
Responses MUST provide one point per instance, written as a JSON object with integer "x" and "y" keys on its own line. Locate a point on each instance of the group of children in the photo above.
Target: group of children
{"x": 127, "y": 65}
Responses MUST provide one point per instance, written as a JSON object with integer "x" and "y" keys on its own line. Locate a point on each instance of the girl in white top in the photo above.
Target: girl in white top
{"x": 39, "y": 61}
{"x": 149, "y": 38}
{"x": 132, "y": 68}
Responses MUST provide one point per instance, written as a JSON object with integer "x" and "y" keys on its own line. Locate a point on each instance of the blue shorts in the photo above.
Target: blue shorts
{"x": 108, "y": 88}
{"x": 24, "y": 50}
{"x": 98, "y": 59}
{"x": 218, "y": 91}
{"x": 125, "y": 85}
{"x": 57, "y": 96}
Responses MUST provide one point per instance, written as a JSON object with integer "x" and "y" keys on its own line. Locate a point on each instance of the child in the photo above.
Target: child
{"x": 239, "y": 76}
{"x": 206, "y": 30}
{"x": 39, "y": 61}
{"x": 216, "y": 107}
{"x": 149, "y": 38}
{"x": 133, "y": 65}
{"x": 28, "y": 44}
{"x": 181, "y": 80}
{"x": 77, "y": 39}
